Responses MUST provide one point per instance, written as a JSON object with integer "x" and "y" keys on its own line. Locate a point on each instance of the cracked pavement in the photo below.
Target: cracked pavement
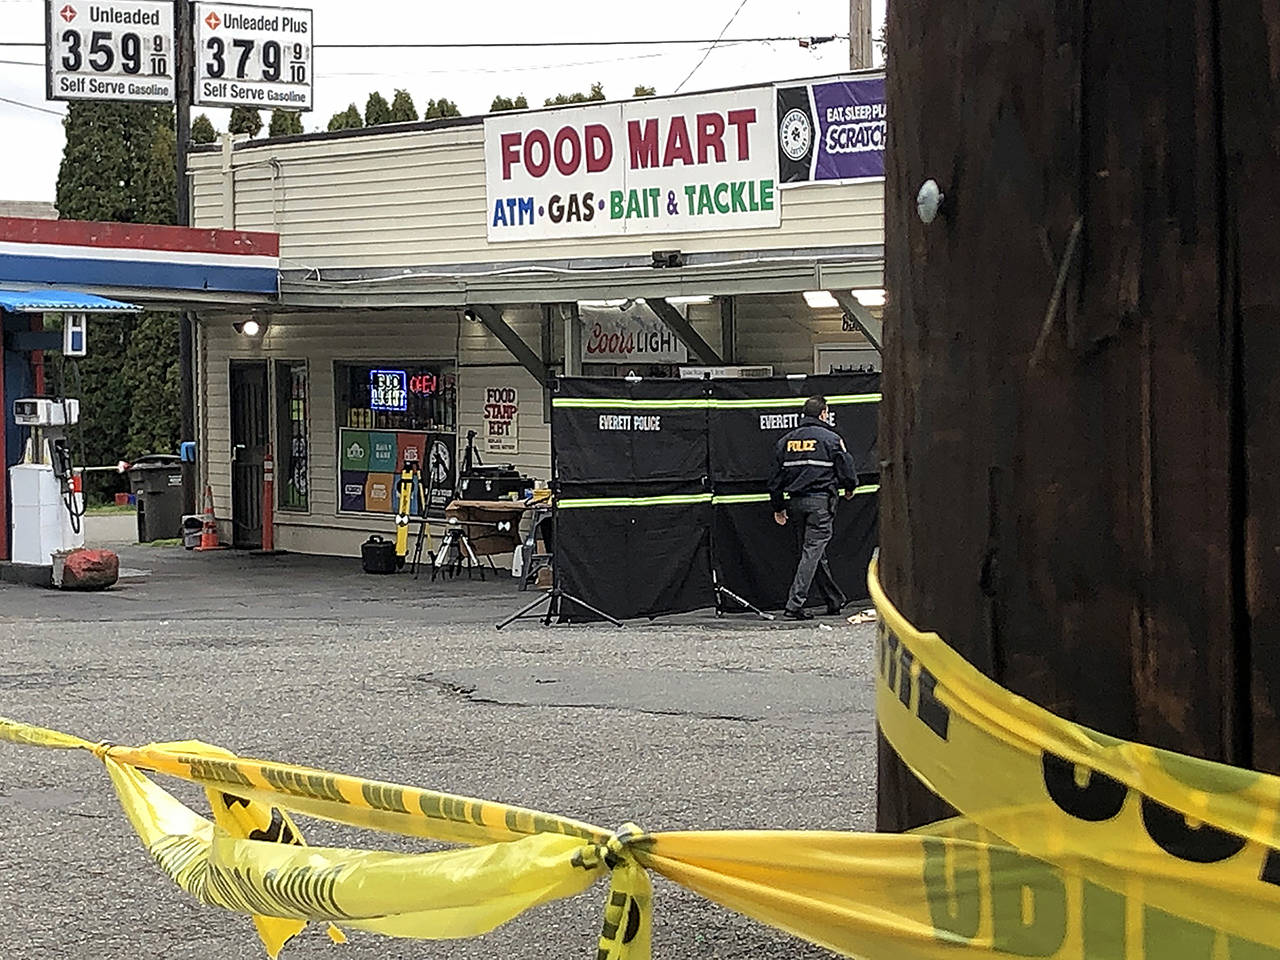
{"x": 683, "y": 723}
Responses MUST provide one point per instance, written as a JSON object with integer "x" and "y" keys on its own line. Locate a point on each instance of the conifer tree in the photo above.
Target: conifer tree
{"x": 506, "y": 103}
{"x": 348, "y": 119}
{"x": 376, "y": 110}
{"x": 402, "y": 108}
{"x": 118, "y": 165}
{"x": 561, "y": 99}
{"x": 439, "y": 109}
{"x": 284, "y": 123}
{"x": 203, "y": 130}
{"x": 245, "y": 120}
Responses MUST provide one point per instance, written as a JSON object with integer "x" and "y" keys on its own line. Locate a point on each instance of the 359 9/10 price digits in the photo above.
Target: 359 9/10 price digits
{"x": 101, "y": 53}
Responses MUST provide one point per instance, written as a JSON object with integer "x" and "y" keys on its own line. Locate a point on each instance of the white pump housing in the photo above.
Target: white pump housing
{"x": 46, "y": 412}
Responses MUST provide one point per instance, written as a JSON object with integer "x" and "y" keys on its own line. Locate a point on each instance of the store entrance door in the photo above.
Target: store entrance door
{"x": 249, "y": 439}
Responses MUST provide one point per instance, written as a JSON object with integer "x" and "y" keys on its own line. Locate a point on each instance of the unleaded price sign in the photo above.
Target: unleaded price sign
{"x": 253, "y": 57}
{"x": 109, "y": 50}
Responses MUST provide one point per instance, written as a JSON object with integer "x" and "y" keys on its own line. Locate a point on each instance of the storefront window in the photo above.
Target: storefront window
{"x": 292, "y": 410}
{"x": 391, "y": 414}
{"x": 396, "y": 396}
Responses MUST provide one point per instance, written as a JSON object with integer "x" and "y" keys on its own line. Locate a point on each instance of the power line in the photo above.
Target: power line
{"x": 456, "y": 69}
{"x": 706, "y": 53}
{"x": 32, "y": 106}
{"x": 526, "y": 44}
{"x": 488, "y": 70}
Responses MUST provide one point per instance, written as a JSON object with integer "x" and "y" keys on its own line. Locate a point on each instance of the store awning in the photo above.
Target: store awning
{"x": 66, "y": 301}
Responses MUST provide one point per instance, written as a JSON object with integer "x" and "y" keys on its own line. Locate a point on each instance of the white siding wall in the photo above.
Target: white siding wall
{"x": 322, "y": 339}
{"x": 778, "y": 330}
{"x": 486, "y": 363}
{"x": 781, "y": 330}
{"x": 403, "y": 199}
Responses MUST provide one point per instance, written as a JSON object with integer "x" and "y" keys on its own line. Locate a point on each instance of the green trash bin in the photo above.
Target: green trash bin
{"x": 156, "y": 482}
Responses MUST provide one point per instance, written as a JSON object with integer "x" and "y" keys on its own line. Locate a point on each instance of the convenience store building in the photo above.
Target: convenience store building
{"x": 435, "y": 276}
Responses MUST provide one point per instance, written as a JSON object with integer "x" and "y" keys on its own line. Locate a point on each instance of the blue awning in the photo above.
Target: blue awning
{"x": 48, "y": 301}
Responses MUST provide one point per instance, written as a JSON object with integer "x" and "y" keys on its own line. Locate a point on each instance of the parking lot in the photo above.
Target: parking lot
{"x": 679, "y": 724}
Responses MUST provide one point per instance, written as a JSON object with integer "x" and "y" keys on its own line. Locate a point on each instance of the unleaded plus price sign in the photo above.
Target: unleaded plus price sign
{"x": 253, "y": 56}
{"x": 109, "y": 50}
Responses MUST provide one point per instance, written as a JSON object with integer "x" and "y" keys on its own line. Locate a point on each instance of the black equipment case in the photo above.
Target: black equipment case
{"x": 378, "y": 555}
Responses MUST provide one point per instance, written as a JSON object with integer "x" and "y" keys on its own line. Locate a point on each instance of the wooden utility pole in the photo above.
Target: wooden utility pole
{"x": 860, "y": 29}
{"x": 1081, "y": 437}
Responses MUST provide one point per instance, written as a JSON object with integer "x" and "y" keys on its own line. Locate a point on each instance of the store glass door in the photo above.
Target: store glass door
{"x": 250, "y": 416}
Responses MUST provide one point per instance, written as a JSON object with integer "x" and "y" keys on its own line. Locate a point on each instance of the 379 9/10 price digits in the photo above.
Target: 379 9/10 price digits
{"x": 102, "y": 53}
{"x": 272, "y": 62}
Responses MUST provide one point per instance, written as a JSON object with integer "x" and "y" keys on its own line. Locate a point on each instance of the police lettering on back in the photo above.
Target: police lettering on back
{"x": 789, "y": 421}
{"x": 811, "y": 469}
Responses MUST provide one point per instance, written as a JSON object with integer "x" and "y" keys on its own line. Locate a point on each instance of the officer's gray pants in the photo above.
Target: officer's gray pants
{"x": 814, "y": 520}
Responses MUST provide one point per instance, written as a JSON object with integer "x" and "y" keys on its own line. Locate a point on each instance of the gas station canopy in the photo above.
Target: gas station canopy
{"x": 68, "y": 301}
{"x": 160, "y": 267}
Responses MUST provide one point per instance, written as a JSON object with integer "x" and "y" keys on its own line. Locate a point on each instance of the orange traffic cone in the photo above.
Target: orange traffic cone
{"x": 209, "y": 532}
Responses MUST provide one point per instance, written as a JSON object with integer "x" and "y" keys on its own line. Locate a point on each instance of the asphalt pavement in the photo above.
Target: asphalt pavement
{"x": 684, "y": 723}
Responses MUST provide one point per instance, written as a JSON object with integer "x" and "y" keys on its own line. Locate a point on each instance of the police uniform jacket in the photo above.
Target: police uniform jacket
{"x": 811, "y": 460}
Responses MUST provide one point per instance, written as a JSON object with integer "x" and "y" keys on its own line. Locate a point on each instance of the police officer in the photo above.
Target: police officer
{"x": 811, "y": 466}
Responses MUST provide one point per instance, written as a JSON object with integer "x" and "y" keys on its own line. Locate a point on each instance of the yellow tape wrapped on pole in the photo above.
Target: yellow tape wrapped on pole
{"x": 1077, "y": 846}
{"x": 1187, "y": 838}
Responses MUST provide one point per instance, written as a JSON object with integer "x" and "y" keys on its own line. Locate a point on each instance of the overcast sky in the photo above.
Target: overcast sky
{"x": 33, "y": 138}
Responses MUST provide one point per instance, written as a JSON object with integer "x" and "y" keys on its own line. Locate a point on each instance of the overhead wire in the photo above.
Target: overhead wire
{"x": 524, "y": 44}
{"x": 485, "y": 70}
{"x": 706, "y": 53}
{"x": 535, "y": 44}
{"x": 497, "y": 70}
{"x": 32, "y": 106}
{"x": 458, "y": 69}
{"x": 451, "y": 70}
{"x": 709, "y": 45}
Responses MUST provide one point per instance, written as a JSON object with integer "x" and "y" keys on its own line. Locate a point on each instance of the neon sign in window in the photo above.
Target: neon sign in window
{"x": 424, "y": 384}
{"x": 388, "y": 390}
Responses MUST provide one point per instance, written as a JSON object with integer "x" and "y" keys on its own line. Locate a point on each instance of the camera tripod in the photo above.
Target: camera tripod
{"x": 455, "y": 552}
{"x": 557, "y": 595}
{"x": 554, "y": 599}
{"x": 722, "y": 592}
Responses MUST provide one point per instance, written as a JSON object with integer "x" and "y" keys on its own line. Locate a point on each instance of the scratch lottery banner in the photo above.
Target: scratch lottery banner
{"x": 831, "y": 131}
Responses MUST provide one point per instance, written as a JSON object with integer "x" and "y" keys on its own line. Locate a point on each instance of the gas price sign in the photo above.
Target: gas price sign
{"x": 252, "y": 57}
{"x": 109, "y": 50}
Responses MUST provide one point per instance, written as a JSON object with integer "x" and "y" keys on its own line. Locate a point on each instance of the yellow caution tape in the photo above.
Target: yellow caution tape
{"x": 248, "y": 820}
{"x": 451, "y": 894}
{"x": 1074, "y": 846}
{"x": 1196, "y": 839}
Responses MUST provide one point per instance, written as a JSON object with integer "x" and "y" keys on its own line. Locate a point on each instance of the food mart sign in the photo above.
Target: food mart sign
{"x": 677, "y": 165}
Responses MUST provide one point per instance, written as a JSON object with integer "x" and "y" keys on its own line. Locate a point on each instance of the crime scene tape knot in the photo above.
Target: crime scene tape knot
{"x": 611, "y": 852}
{"x": 101, "y": 748}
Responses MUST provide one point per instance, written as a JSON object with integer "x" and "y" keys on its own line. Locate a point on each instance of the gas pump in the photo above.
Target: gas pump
{"x": 45, "y": 490}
